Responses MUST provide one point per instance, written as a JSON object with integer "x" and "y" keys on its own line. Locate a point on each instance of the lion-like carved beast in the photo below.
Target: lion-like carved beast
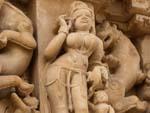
{"x": 124, "y": 64}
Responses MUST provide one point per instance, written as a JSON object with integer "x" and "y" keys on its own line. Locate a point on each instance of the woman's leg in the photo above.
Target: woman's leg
{"x": 79, "y": 94}
{"x": 57, "y": 93}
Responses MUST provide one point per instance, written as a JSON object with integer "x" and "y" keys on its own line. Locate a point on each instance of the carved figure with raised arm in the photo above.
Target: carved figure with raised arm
{"x": 66, "y": 76}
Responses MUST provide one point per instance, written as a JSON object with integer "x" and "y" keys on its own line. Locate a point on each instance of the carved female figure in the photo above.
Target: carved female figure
{"x": 66, "y": 76}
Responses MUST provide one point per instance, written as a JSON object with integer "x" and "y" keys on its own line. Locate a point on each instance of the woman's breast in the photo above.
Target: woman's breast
{"x": 78, "y": 50}
{"x": 82, "y": 44}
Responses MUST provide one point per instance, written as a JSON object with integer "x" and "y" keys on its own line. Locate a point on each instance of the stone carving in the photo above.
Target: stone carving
{"x": 99, "y": 81}
{"x": 97, "y": 60}
{"x": 98, "y": 99}
{"x": 124, "y": 64}
{"x": 138, "y": 6}
{"x": 83, "y": 51}
{"x": 16, "y": 46}
{"x": 27, "y": 105}
{"x": 143, "y": 46}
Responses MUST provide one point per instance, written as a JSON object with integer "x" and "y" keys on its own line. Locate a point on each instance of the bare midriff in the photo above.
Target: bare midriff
{"x": 73, "y": 59}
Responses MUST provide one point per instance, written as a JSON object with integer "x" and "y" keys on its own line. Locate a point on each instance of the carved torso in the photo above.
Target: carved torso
{"x": 79, "y": 47}
{"x": 13, "y": 19}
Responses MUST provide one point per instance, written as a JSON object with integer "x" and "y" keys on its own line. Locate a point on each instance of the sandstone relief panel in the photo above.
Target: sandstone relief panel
{"x": 75, "y": 56}
{"x": 16, "y": 46}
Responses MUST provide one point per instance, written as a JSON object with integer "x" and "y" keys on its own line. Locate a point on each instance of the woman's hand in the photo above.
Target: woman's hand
{"x": 99, "y": 76}
{"x": 3, "y": 40}
{"x": 64, "y": 26}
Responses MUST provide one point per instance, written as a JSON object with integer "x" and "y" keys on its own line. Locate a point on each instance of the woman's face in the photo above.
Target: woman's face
{"x": 83, "y": 20}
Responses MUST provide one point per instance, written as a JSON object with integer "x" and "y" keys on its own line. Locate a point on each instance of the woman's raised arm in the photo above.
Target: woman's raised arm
{"x": 54, "y": 46}
{"x": 56, "y": 43}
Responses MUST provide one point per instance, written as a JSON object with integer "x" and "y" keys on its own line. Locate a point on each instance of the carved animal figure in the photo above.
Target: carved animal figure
{"x": 16, "y": 40}
{"x": 124, "y": 63}
{"x": 16, "y": 46}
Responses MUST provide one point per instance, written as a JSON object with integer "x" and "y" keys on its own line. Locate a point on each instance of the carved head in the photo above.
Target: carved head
{"x": 82, "y": 16}
{"x": 108, "y": 33}
{"x": 100, "y": 97}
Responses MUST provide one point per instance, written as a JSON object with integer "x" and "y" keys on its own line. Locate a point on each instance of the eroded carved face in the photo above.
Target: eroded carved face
{"x": 83, "y": 20}
{"x": 108, "y": 35}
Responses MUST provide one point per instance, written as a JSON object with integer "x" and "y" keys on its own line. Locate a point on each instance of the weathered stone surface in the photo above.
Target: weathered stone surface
{"x": 90, "y": 56}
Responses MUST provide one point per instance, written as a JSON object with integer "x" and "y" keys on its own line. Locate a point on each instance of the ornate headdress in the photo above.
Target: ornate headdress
{"x": 78, "y": 5}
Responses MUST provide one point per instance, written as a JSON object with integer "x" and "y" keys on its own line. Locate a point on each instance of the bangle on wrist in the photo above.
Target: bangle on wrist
{"x": 63, "y": 30}
{"x": 66, "y": 33}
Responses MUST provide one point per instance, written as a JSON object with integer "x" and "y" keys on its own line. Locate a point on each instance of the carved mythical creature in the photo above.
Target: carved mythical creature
{"x": 124, "y": 63}
{"x": 16, "y": 48}
{"x": 66, "y": 77}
